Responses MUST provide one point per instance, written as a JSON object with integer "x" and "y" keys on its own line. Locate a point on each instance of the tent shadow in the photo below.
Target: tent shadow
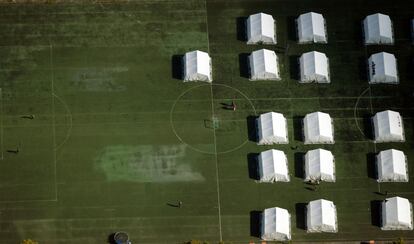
{"x": 410, "y": 64}
{"x": 111, "y": 239}
{"x": 177, "y": 67}
{"x": 376, "y": 213}
{"x": 241, "y": 28}
{"x": 297, "y": 128}
{"x": 292, "y": 33}
{"x": 252, "y": 164}
{"x": 255, "y": 223}
{"x": 294, "y": 67}
{"x": 359, "y": 35}
{"x": 299, "y": 165}
{"x": 363, "y": 68}
{"x": 252, "y": 128}
{"x": 371, "y": 166}
{"x": 300, "y": 210}
{"x": 244, "y": 65}
{"x": 368, "y": 126}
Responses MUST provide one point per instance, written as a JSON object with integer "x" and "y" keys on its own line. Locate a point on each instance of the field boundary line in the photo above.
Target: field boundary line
{"x": 53, "y": 120}
{"x": 1, "y": 124}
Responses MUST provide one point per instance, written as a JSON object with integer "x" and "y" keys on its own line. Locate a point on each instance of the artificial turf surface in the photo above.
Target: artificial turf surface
{"x": 118, "y": 138}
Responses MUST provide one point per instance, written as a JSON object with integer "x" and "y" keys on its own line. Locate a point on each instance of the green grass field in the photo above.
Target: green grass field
{"x": 117, "y": 139}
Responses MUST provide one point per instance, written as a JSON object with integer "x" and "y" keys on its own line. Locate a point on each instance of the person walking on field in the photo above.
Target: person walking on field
{"x": 233, "y": 105}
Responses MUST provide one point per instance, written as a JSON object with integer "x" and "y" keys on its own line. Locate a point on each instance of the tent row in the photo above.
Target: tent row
{"x": 273, "y": 166}
{"x": 261, "y": 29}
{"x": 314, "y": 67}
{"x": 318, "y": 128}
{"x": 319, "y": 165}
{"x": 272, "y": 129}
{"x": 321, "y": 217}
{"x": 311, "y": 28}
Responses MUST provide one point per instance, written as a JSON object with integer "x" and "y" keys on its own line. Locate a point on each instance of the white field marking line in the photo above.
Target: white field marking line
{"x": 53, "y": 120}
{"x": 191, "y": 88}
{"x": 1, "y": 123}
{"x": 28, "y": 201}
{"x": 69, "y": 132}
{"x": 216, "y": 159}
{"x": 214, "y": 133}
{"x": 356, "y": 109}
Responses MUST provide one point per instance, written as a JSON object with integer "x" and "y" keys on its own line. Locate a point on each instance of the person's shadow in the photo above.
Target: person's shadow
{"x": 174, "y": 205}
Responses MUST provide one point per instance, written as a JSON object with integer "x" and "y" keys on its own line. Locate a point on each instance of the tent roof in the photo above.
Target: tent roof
{"x": 314, "y": 63}
{"x": 272, "y": 128}
{"x": 276, "y": 224}
{"x": 321, "y": 215}
{"x": 318, "y": 128}
{"x": 388, "y": 123}
{"x": 273, "y": 165}
{"x": 391, "y": 165}
{"x": 261, "y": 25}
{"x": 311, "y": 25}
{"x": 376, "y": 27}
{"x": 264, "y": 60}
{"x": 383, "y": 64}
{"x": 197, "y": 62}
{"x": 319, "y": 163}
{"x": 397, "y": 213}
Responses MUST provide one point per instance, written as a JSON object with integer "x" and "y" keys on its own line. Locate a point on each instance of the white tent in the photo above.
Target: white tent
{"x": 319, "y": 165}
{"x": 318, "y": 128}
{"x": 272, "y": 129}
{"x": 275, "y": 225}
{"x": 273, "y": 166}
{"x": 397, "y": 214}
{"x": 311, "y": 28}
{"x": 321, "y": 216}
{"x": 383, "y": 68}
{"x": 197, "y": 66}
{"x": 378, "y": 29}
{"x": 261, "y": 28}
{"x": 392, "y": 166}
{"x": 314, "y": 67}
{"x": 388, "y": 127}
{"x": 264, "y": 65}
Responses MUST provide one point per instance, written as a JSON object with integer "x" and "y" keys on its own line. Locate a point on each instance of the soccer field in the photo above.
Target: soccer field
{"x": 117, "y": 139}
